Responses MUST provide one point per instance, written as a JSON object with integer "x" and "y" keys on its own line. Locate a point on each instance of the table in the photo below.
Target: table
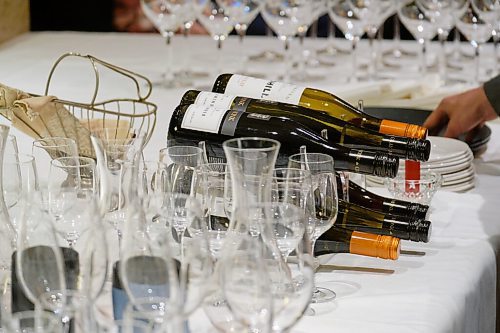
{"x": 446, "y": 285}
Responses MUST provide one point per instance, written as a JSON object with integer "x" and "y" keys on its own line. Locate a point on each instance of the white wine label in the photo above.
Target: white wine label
{"x": 214, "y": 100}
{"x": 230, "y": 122}
{"x": 203, "y": 118}
{"x": 246, "y": 86}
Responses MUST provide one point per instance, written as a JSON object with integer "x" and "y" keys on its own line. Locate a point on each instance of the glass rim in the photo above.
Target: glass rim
{"x": 275, "y": 143}
{"x": 429, "y": 177}
{"x": 69, "y": 140}
{"x": 166, "y": 151}
{"x": 90, "y": 162}
{"x": 304, "y": 173}
{"x": 327, "y": 158}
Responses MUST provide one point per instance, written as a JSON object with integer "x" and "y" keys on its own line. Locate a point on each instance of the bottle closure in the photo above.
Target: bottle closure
{"x": 385, "y": 247}
{"x": 402, "y": 129}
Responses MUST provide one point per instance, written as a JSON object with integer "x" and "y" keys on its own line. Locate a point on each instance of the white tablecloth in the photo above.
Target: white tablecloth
{"x": 447, "y": 285}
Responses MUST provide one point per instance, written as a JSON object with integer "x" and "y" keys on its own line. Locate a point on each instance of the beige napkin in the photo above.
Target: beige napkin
{"x": 42, "y": 117}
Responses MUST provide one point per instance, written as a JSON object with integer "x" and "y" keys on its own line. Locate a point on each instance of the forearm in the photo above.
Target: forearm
{"x": 492, "y": 91}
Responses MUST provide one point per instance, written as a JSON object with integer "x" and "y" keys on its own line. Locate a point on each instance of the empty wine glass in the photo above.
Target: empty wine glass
{"x": 286, "y": 18}
{"x": 477, "y": 32}
{"x": 242, "y": 12}
{"x": 420, "y": 26}
{"x": 211, "y": 181}
{"x": 166, "y": 16}
{"x": 181, "y": 162}
{"x": 324, "y": 196}
{"x": 147, "y": 267}
{"x": 33, "y": 322}
{"x": 343, "y": 16}
{"x": 440, "y": 12}
{"x": 219, "y": 24}
{"x": 263, "y": 293}
{"x": 489, "y": 11}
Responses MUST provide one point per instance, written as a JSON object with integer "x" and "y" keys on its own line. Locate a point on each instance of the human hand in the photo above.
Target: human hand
{"x": 462, "y": 113}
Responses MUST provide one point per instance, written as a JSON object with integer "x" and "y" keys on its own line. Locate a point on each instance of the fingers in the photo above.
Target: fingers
{"x": 436, "y": 120}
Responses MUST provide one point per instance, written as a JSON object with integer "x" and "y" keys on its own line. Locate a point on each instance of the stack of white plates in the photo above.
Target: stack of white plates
{"x": 449, "y": 157}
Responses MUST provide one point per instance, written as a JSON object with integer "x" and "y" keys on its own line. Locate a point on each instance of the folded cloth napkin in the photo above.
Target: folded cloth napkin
{"x": 43, "y": 117}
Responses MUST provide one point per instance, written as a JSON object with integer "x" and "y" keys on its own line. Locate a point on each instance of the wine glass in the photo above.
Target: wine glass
{"x": 19, "y": 179}
{"x": 181, "y": 162}
{"x": 210, "y": 188}
{"x": 39, "y": 262}
{"x": 324, "y": 196}
{"x": 147, "y": 267}
{"x": 292, "y": 186}
{"x": 33, "y": 321}
{"x": 489, "y": 11}
{"x": 440, "y": 12}
{"x": 219, "y": 24}
{"x": 262, "y": 292}
{"x": 343, "y": 16}
{"x": 166, "y": 16}
{"x": 242, "y": 12}
{"x": 477, "y": 32}
{"x": 420, "y": 26}
{"x": 44, "y": 150}
{"x": 372, "y": 14}
{"x": 71, "y": 180}
{"x": 286, "y": 18}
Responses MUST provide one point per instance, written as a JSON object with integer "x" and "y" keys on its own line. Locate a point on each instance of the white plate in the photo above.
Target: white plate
{"x": 446, "y": 148}
{"x": 459, "y": 188}
{"x": 454, "y": 182}
{"x": 445, "y": 163}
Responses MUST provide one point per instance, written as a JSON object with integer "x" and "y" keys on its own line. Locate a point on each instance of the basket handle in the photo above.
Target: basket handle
{"x": 141, "y": 94}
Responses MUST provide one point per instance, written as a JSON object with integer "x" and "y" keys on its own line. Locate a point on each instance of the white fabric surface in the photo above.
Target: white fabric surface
{"x": 447, "y": 285}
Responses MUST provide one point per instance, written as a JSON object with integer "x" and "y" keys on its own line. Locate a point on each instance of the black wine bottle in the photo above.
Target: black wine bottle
{"x": 341, "y": 240}
{"x": 355, "y": 217}
{"x": 336, "y": 130}
{"x": 240, "y": 85}
{"x": 193, "y": 123}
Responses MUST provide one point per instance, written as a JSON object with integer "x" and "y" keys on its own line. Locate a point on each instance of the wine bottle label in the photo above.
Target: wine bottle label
{"x": 241, "y": 85}
{"x": 230, "y": 122}
{"x": 203, "y": 118}
{"x": 214, "y": 100}
{"x": 222, "y": 101}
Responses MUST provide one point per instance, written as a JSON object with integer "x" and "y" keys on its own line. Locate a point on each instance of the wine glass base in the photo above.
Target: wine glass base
{"x": 323, "y": 295}
{"x": 267, "y": 56}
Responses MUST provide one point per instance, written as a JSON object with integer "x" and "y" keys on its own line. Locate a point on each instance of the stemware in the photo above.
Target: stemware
{"x": 166, "y": 16}
{"x": 477, "y": 32}
{"x": 286, "y": 18}
{"x": 440, "y": 12}
{"x": 33, "y": 321}
{"x": 420, "y": 26}
{"x": 219, "y": 24}
{"x": 242, "y": 12}
{"x": 324, "y": 196}
{"x": 489, "y": 11}
{"x": 263, "y": 293}
{"x": 181, "y": 162}
{"x": 372, "y": 14}
{"x": 343, "y": 16}
{"x": 44, "y": 150}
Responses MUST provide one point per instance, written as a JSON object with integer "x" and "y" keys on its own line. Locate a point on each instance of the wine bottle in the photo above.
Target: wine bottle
{"x": 341, "y": 240}
{"x": 355, "y": 217}
{"x": 360, "y": 196}
{"x": 193, "y": 123}
{"x": 315, "y": 99}
{"x": 337, "y": 131}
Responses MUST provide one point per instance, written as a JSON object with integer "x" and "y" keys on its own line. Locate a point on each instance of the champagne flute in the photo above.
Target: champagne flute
{"x": 324, "y": 196}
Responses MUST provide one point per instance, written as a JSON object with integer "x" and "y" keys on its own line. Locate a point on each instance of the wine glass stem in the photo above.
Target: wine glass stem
{"x": 354, "y": 59}
{"x": 442, "y": 56}
{"x": 220, "y": 54}
{"x": 243, "y": 56}
{"x": 423, "y": 56}
{"x": 288, "y": 60}
{"x": 476, "y": 62}
{"x": 496, "y": 44}
{"x": 168, "y": 75}
{"x": 397, "y": 37}
{"x": 372, "y": 66}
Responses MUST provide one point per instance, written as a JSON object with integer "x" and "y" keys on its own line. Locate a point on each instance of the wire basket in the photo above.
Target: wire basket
{"x": 111, "y": 119}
